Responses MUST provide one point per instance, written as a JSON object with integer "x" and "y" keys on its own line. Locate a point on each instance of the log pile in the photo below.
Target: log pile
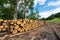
{"x": 18, "y": 26}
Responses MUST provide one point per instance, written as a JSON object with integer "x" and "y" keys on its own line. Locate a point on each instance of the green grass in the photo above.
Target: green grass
{"x": 54, "y": 20}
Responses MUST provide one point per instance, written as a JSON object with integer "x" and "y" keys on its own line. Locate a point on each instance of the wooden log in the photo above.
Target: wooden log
{"x": 4, "y": 23}
{"x": 4, "y": 29}
{"x": 14, "y": 32}
{"x": 14, "y": 21}
{"x": 17, "y": 26}
{"x": 1, "y": 20}
{"x": 22, "y": 24}
{"x": 9, "y": 20}
{"x": 11, "y": 30}
{"x": 11, "y": 26}
{"x": 11, "y": 23}
{"x": 22, "y": 29}
{"x": 6, "y": 26}
{"x": 19, "y": 29}
{"x": 1, "y": 27}
{"x": 19, "y": 22}
{"x": 27, "y": 29}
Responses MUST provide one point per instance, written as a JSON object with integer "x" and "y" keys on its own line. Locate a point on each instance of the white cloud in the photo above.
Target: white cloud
{"x": 41, "y": 2}
{"x": 54, "y": 3}
{"x": 48, "y": 13}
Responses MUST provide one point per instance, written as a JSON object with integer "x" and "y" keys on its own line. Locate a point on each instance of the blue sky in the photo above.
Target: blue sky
{"x": 47, "y": 7}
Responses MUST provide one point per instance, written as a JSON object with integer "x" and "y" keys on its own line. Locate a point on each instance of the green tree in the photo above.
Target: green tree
{"x": 6, "y": 11}
{"x": 15, "y": 7}
{"x": 34, "y": 16}
{"x": 50, "y": 17}
{"x": 26, "y": 5}
{"x": 57, "y": 15}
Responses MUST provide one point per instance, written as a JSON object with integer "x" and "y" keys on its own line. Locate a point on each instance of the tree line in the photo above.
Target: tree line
{"x": 21, "y": 9}
{"x": 56, "y": 15}
{"x": 17, "y": 9}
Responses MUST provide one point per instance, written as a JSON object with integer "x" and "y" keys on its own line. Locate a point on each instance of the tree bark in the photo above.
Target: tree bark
{"x": 25, "y": 12}
{"x": 15, "y": 9}
{"x": 24, "y": 15}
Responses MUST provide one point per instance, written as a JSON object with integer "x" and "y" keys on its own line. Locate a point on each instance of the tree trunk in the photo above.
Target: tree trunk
{"x": 15, "y": 12}
{"x": 25, "y": 13}
{"x": 15, "y": 9}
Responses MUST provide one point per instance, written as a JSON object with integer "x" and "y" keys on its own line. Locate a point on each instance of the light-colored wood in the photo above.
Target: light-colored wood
{"x": 19, "y": 29}
{"x": 1, "y": 20}
{"x": 1, "y": 27}
{"x": 11, "y": 30}
{"x": 22, "y": 24}
{"x": 23, "y": 29}
{"x": 4, "y": 23}
{"x": 4, "y": 29}
{"x": 9, "y": 20}
{"x": 16, "y": 26}
{"x": 11, "y": 23}
{"x": 19, "y": 22}
{"x": 6, "y": 26}
{"x": 14, "y": 32}
{"x": 11, "y": 26}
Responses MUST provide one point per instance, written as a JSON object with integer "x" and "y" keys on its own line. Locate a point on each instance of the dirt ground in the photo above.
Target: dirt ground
{"x": 50, "y": 31}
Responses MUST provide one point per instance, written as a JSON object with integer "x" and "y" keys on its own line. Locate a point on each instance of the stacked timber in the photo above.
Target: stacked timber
{"x": 18, "y": 26}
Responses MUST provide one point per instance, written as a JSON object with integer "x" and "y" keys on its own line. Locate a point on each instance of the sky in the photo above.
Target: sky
{"x": 47, "y": 7}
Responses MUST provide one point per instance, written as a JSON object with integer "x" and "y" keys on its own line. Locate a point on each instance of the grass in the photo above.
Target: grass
{"x": 54, "y": 20}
